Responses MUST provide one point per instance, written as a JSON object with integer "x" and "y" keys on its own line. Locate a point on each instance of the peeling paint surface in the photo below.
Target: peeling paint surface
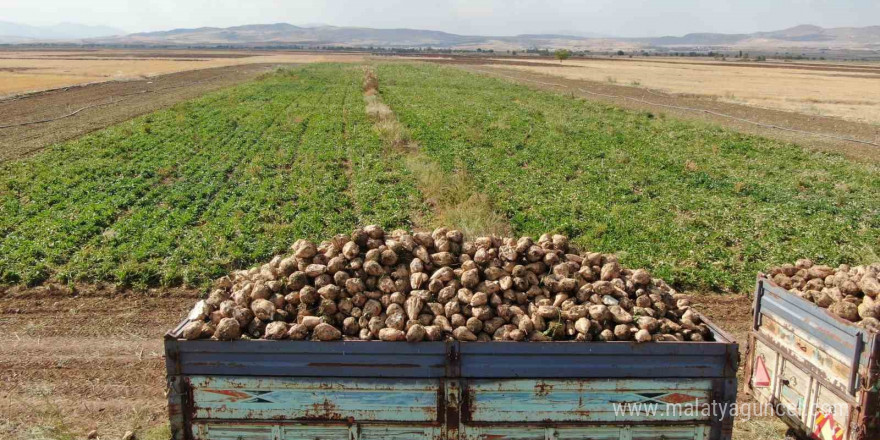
{"x": 588, "y": 400}
{"x": 817, "y": 364}
{"x": 258, "y": 398}
{"x": 304, "y": 390}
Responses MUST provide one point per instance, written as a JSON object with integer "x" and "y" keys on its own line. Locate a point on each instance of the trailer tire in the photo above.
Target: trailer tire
{"x": 791, "y": 434}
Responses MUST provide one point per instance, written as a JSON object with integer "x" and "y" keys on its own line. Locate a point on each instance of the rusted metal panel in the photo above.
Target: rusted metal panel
{"x": 868, "y": 417}
{"x": 452, "y": 414}
{"x": 769, "y": 360}
{"x": 379, "y": 432}
{"x": 794, "y": 389}
{"x": 221, "y": 431}
{"x": 358, "y": 389}
{"x": 177, "y": 392}
{"x": 806, "y": 348}
{"x": 839, "y": 338}
{"x": 829, "y": 403}
{"x": 606, "y": 360}
{"x": 256, "y": 398}
{"x": 593, "y": 432}
{"x": 588, "y": 400}
{"x": 312, "y": 359}
{"x": 311, "y": 431}
{"x": 819, "y": 365}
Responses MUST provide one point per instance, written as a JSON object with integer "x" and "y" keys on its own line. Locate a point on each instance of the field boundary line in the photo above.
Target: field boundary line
{"x": 452, "y": 197}
{"x": 43, "y": 121}
{"x": 691, "y": 109}
{"x": 101, "y": 104}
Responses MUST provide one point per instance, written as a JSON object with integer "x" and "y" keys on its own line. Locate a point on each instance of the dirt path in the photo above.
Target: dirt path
{"x": 821, "y": 124}
{"x": 733, "y": 313}
{"x": 70, "y": 364}
{"x": 103, "y": 104}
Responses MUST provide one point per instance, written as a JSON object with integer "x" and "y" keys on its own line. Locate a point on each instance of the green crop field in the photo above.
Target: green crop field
{"x": 187, "y": 194}
{"x": 704, "y": 207}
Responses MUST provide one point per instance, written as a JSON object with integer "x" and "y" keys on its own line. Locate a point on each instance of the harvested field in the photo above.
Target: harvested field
{"x": 839, "y": 90}
{"x": 52, "y": 69}
{"x": 72, "y": 112}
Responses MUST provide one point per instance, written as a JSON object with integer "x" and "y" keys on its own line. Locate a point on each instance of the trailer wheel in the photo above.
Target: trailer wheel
{"x": 791, "y": 434}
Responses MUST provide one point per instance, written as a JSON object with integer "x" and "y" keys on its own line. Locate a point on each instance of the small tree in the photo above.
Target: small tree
{"x": 562, "y": 54}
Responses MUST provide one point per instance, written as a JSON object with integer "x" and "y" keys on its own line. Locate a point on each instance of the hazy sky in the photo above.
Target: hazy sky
{"x": 476, "y": 17}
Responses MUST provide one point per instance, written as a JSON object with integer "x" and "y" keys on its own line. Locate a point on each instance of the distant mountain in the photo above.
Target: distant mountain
{"x": 312, "y": 35}
{"x": 798, "y": 36}
{"x": 283, "y": 33}
{"x": 62, "y": 31}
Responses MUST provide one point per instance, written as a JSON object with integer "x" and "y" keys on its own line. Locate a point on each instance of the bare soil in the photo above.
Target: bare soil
{"x": 91, "y": 359}
{"x": 108, "y": 103}
{"x": 94, "y": 360}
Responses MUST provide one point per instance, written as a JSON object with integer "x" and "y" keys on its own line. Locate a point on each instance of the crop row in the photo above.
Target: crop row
{"x": 186, "y": 194}
{"x": 700, "y": 206}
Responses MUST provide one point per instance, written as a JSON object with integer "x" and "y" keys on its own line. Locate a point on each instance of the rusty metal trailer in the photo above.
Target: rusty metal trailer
{"x": 365, "y": 390}
{"x": 819, "y": 373}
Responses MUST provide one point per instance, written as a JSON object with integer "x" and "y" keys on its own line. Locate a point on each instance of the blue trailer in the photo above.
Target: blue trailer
{"x": 366, "y": 390}
{"x": 819, "y": 373}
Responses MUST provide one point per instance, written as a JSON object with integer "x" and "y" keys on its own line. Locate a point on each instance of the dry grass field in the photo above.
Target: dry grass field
{"x": 31, "y": 71}
{"x": 848, "y": 91}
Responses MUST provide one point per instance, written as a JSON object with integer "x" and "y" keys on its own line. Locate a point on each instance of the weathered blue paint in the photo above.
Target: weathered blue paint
{"x": 273, "y": 398}
{"x": 606, "y": 432}
{"x": 313, "y": 432}
{"x": 312, "y": 359}
{"x": 588, "y": 400}
{"x": 812, "y": 320}
{"x": 813, "y": 353}
{"x": 356, "y": 390}
{"x": 478, "y": 359}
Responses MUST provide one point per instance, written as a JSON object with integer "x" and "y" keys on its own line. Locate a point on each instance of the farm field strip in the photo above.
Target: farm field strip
{"x": 186, "y": 194}
{"x": 690, "y": 109}
{"x": 703, "y": 207}
{"x": 102, "y": 105}
{"x": 29, "y": 71}
{"x": 452, "y": 198}
{"x": 833, "y": 90}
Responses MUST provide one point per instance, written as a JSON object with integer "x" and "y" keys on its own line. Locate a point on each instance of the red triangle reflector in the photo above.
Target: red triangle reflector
{"x": 762, "y": 377}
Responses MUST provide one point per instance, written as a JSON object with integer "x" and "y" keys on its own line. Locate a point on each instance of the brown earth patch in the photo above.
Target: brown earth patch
{"x": 72, "y": 363}
{"x": 94, "y": 360}
{"x": 104, "y": 104}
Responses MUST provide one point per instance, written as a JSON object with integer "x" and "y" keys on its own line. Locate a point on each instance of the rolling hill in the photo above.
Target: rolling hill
{"x": 284, "y": 34}
{"x": 22, "y": 33}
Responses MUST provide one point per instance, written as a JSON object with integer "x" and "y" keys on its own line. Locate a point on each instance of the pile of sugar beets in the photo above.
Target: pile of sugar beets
{"x": 848, "y": 292}
{"x": 422, "y": 286}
